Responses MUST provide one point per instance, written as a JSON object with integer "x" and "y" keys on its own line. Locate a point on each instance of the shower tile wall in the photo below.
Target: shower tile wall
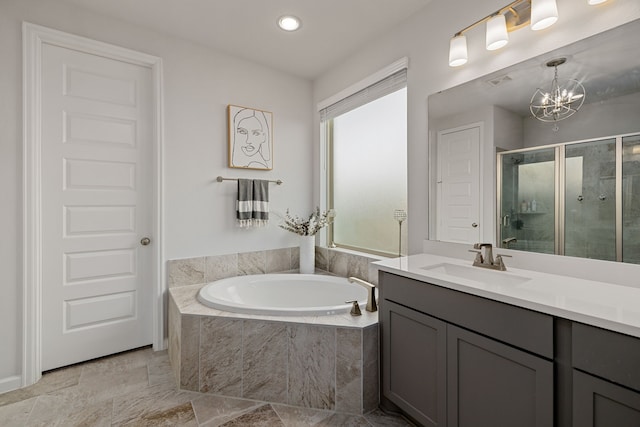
{"x": 201, "y": 270}
{"x": 590, "y": 202}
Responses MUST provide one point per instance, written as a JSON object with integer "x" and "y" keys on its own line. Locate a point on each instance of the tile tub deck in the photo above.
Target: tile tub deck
{"x": 320, "y": 362}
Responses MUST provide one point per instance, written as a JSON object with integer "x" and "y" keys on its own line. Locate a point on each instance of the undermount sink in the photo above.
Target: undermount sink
{"x": 477, "y": 274}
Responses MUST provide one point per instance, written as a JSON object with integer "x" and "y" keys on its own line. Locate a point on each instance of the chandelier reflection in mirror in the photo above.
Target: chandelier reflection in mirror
{"x": 559, "y": 102}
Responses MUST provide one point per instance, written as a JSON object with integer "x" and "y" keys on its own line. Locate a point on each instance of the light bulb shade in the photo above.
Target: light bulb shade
{"x": 594, "y": 2}
{"x": 458, "y": 51}
{"x": 544, "y": 13}
{"x": 497, "y": 35}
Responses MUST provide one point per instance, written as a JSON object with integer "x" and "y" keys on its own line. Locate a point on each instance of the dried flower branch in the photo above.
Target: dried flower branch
{"x": 306, "y": 227}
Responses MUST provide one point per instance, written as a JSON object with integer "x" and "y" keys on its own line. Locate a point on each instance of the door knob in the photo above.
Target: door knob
{"x": 474, "y": 225}
{"x": 145, "y": 241}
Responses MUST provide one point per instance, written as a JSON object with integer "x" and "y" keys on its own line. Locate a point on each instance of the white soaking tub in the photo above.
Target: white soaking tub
{"x": 283, "y": 294}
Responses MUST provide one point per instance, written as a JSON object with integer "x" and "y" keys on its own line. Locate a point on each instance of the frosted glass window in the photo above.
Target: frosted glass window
{"x": 369, "y": 174}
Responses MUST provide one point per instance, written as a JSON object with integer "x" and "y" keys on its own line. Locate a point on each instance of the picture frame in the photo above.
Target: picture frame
{"x": 250, "y": 138}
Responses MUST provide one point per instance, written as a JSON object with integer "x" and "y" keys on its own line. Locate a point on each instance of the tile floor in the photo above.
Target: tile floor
{"x": 137, "y": 388}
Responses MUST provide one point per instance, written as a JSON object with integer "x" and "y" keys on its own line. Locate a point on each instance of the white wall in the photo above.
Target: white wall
{"x": 198, "y": 84}
{"x": 424, "y": 38}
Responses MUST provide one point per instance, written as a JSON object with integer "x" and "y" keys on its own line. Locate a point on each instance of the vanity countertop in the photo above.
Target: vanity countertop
{"x": 605, "y": 305}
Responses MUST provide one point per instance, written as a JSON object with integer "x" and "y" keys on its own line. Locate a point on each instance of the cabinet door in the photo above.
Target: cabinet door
{"x": 492, "y": 384}
{"x": 414, "y": 357}
{"x": 599, "y": 403}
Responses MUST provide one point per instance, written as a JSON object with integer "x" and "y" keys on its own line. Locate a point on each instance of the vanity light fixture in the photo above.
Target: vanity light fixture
{"x": 289, "y": 23}
{"x": 561, "y": 100}
{"x": 517, "y": 14}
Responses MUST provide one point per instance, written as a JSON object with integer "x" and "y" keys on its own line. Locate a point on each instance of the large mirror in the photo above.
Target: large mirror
{"x": 541, "y": 184}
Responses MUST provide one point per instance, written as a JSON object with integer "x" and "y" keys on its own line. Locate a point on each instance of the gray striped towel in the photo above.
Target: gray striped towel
{"x": 252, "y": 206}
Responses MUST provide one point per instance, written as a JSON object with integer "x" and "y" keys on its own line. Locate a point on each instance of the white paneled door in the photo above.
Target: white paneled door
{"x": 97, "y": 119}
{"x": 459, "y": 185}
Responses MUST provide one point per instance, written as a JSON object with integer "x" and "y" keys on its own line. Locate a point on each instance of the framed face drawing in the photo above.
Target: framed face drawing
{"x": 250, "y": 138}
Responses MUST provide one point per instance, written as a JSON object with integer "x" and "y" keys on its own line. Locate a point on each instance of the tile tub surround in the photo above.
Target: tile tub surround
{"x": 319, "y": 362}
{"x": 205, "y": 269}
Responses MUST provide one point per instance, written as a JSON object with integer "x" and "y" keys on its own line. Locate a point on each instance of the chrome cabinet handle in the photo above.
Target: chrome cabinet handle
{"x": 145, "y": 241}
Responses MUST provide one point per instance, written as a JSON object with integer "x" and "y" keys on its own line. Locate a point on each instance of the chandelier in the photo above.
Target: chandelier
{"x": 559, "y": 102}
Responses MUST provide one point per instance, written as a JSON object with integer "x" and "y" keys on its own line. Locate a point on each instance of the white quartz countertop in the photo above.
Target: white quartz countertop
{"x": 605, "y": 305}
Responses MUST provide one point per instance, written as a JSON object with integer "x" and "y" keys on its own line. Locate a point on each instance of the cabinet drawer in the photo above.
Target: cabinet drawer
{"x": 517, "y": 326}
{"x": 608, "y": 354}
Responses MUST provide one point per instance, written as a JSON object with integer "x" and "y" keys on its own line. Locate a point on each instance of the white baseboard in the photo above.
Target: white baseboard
{"x": 10, "y": 383}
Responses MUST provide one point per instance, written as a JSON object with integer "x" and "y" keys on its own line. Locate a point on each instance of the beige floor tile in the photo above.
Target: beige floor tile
{"x": 212, "y": 411}
{"x": 154, "y": 399}
{"x": 51, "y": 381}
{"x": 378, "y": 418}
{"x": 344, "y": 420}
{"x": 264, "y": 416}
{"x": 293, "y": 416}
{"x": 16, "y": 414}
{"x": 178, "y": 416}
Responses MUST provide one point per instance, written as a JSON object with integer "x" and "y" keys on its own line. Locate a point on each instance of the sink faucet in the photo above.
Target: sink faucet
{"x": 486, "y": 260}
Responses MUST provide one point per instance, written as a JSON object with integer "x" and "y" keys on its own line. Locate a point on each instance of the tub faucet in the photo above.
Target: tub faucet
{"x": 371, "y": 289}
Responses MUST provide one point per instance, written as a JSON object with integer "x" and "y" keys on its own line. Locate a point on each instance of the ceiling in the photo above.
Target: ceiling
{"x": 331, "y": 29}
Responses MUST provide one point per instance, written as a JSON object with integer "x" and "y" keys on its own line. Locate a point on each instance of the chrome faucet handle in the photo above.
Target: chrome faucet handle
{"x": 355, "y": 310}
{"x": 500, "y": 263}
{"x": 478, "y": 259}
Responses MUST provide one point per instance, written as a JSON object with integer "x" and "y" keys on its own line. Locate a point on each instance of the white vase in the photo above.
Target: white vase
{"x": 307, "y": 254}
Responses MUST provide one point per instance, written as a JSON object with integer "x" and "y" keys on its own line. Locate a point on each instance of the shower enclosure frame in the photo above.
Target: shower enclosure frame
{"x": 560, "y": 187}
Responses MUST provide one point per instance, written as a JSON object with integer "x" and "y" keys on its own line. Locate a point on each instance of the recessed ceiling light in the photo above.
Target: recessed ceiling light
{"x": 289, "y": 23}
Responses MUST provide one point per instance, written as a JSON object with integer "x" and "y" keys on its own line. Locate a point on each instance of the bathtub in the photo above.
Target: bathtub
{"x": 283, "y": 294}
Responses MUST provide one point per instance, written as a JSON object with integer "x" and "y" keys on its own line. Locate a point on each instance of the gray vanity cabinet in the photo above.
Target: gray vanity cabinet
{"x": 606, "y": 378}
{"x": 493, "y": 384}
{"x": 453, "y": 359}
{"x": 415, "y": 350}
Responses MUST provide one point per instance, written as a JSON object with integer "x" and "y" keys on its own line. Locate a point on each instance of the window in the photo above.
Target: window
{"x": 366, "y": 140}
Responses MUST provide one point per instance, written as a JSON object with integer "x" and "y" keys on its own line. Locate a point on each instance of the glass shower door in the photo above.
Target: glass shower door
{"x": 527, "y": 201}
{"x": 590, "y": 200}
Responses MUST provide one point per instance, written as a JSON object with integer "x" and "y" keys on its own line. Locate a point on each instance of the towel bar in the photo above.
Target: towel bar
{"x": 220, "y": 179}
